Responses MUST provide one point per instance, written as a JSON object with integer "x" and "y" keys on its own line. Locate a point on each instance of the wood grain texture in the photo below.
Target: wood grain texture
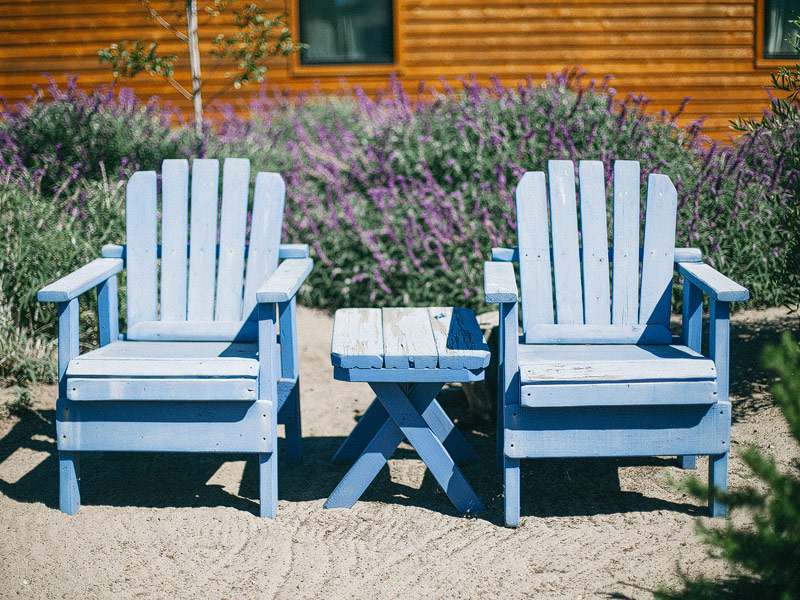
{"x": 658, "y": 251}
{"x": 533, "y": 240}
{"x": 647, "y": 393}
{"x": 284, "y": 283}
{"x": 594, "y": 243}
{"x": 79, "y": 281}
{"x": 593, "y": 364}
{"x": 161, "y": 389}
{"x": 712, "y": 282}
{"x": 194, "y": 331}
{"x": 203, "y": 240}
{"x": 408, "y": 341}
{"x": 459, "y": 339}
{"x": 265, "y": 236}
{"x": 598, "y": 334}
{"x": 174, "y": 238}
{"x": 617, "y": 431}
{"x": 142, "y": 238}
{"x": 499, "y": 282}
{"x": 625, "y": 273}
{"x": 165, "y": 426}
{"x": 564, "y": 228}
{"x": 232, "y": 231}
{"x": 357, "y": 341}
{"x": 666, "y": 55}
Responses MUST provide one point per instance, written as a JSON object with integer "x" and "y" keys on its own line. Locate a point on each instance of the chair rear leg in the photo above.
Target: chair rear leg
{"x": 69, "y": 471}
{"x": 511, "y": 481}
{"x": 687, "y": 461}
{"x": 294, "y": 436}
{"x": 717, "y": 480}
{"x": 268, "y": 484}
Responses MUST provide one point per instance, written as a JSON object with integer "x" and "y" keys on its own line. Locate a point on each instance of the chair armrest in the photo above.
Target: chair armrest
{"x": 285, "y": 281}
{"x": 505, "y": 254}
{"x": 689, "y": 255}
{"x": 712, "y": 282}
{"x": 499, "y": 282}
{"x": 293, "y": 251}
{"x": 80, "y": 281}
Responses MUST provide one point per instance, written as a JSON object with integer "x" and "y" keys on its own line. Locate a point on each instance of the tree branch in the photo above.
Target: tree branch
{"x": 160, "y": 20}
{"x": 184, "y": 92}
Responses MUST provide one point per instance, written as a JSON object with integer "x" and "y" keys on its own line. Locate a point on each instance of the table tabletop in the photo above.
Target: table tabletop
{"x": 405, "y": 344}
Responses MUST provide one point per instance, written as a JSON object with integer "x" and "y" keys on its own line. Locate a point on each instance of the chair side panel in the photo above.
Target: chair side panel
{"x": 232, "y": 231}
{"x": 203, "y": 240}
{"x": 659, "y": 250}
{"x": 625, "y": 269}
{"x": 564, "y": 227}
{"x": 174, "y": 238}
{"x": 534, "y": 251}
{"x": 594, "y": 239}
{"x": 142, "y": 247}
{"x": 265, "y": 236}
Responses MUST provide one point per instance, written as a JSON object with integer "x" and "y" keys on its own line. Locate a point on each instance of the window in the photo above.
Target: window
{"x": 340, "y": 32}
{"x": 772, "y": 29}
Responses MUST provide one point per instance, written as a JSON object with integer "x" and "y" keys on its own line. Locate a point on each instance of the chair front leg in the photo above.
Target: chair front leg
{"x": 719, "y": 344}
{"x": 268, "y": 390}
{"x": 290, "y": 373}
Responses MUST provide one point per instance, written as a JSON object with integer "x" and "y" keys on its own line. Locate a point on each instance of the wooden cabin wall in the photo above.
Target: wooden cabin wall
{"x": 703, "y": 49}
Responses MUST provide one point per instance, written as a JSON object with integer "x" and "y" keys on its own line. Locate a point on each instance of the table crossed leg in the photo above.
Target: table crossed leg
{"x": 405, "y": 417}
{"x": 375, "y": 416}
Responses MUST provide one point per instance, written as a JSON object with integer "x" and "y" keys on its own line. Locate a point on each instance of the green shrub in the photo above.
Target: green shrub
{"x": 766, "y": 556}
{"x": 40, "y": 242}
{"x": 54, "y": 143}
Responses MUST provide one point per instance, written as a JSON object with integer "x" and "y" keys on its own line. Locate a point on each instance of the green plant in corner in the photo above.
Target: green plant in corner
{"x": 257, "y": 38}
{"x": 764, "y": 557}
{"x": 22, "y": 401}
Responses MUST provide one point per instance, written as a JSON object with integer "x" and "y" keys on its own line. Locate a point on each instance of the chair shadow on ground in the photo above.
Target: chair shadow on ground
{"x": 551, "y": 487}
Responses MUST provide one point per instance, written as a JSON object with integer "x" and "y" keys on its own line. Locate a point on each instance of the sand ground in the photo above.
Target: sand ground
{"x": 185, "y": 526}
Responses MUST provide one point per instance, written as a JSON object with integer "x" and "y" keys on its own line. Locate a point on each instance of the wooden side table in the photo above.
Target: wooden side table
{"x": 406, "y": 355}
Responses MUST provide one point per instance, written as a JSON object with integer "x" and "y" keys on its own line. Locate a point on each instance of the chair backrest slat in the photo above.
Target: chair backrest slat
{"x": 564, "y": 227}
{"x": 534, "y": 250}
{"x": 209, "y": 275}
{"x": 232, "y": 232}
{"x": 611, "y": 303}
{"x": 174, "y": 238}
{"x": 625, "y": 272}
{"x": 594, "y": 239}
{"x": 265, "y": 232}
{"x": 659, "y": 251}
{"x": 142, "y": 241}
{"x": 203, "y": 240}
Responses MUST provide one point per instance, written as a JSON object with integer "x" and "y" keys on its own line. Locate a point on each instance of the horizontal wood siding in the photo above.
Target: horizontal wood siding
{"x": 666, "y": 51}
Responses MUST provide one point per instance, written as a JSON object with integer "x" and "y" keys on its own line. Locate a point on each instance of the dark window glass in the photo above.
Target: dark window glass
{"x": 777, "y": 14}
{"x": 346, "y": 31}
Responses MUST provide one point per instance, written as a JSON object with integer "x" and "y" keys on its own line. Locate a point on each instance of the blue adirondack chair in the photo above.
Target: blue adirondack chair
{"x": 597, "y": 371}
{"x": 201, "y": 367}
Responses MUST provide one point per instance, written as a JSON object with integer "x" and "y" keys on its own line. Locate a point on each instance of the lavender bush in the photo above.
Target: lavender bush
{"x": 402, "y": 197}
{"x": 52, "y": 142}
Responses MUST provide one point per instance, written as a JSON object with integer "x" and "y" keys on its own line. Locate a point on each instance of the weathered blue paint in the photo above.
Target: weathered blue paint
{"x": 562, "y": 395}
{"x": 202, "y": 367}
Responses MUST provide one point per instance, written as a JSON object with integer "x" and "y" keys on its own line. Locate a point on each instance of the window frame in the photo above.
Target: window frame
{"x": 297, "y": 69}
{"x": 760, "y": 61}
